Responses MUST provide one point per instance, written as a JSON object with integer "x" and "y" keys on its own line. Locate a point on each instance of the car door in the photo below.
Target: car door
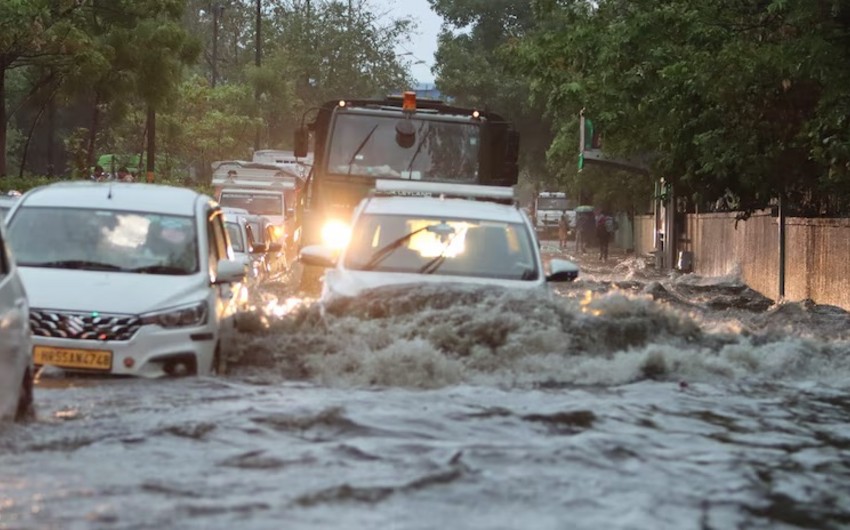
{"x": 15, "y": 347}
{"x": 228, "y": 295}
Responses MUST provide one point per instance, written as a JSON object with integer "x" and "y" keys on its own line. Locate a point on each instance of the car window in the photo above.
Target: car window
{"x": 462, "y": 247}
{"x": 234, "y": 232}
{"x": 100, "y": 239}
{"x": 255, "y": 203}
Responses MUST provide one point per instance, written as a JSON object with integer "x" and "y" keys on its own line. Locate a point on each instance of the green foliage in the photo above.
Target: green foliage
{"x": 727, "y": 95}
{"x": 23, "y": 184}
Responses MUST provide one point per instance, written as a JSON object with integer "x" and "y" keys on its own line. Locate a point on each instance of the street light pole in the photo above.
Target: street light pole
{"x": 258, "y": 54}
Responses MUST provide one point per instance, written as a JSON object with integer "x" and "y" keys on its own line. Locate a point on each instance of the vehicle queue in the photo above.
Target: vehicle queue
{"x": 146, "y": 280}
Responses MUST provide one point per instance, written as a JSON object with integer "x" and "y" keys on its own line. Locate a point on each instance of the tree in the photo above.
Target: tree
{"x": 33, "y": 32}
{"x": 717, "y": 92}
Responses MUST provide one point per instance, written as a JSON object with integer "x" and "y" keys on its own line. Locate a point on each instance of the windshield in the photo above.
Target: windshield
{"x": 235, "y": 233}
{"x": 459, "y": 247}
{"x": 366, "y": 145}
{"x": 255, "y": 203}
{"x": 78, "y": 238}
{"x": 553, "y": 203}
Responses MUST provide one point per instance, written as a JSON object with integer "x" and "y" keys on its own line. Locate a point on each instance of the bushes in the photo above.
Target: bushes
{"x": 23, "y": 184}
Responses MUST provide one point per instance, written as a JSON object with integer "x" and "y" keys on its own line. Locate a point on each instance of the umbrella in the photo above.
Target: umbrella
{"x": 584, "y": 208}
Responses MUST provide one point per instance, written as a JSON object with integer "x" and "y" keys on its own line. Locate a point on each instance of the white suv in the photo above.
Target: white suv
{"x": 131, "y": 279}
{"x": 436, "y": 233}
{"x": 16, "y": 368}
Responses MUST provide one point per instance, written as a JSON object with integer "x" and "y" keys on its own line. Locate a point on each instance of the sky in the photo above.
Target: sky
{"x": 423, "y": 43}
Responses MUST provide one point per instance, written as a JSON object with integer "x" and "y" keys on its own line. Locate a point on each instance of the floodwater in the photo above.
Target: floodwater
{"x": 628, "y": 400}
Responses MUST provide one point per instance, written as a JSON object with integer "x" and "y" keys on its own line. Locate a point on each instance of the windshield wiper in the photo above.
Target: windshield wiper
{"x": 382, "y": 253}
{"x": 76, "y": 264}
{"x": 160, "y": 269}
{"x": 437, "y": 262}
{"x": 361, "y": 146}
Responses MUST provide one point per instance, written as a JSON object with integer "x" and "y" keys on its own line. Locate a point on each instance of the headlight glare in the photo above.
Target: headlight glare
{"x": 336, "y": 234}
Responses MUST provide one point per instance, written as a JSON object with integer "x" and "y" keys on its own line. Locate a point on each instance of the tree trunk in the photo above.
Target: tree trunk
{"x": 151, "y": 143}
{"x": 51, "y": 138}
{"x": 95, "y": 123}
{"x": 29, "y": 138}
{"x": 3, "y": 124}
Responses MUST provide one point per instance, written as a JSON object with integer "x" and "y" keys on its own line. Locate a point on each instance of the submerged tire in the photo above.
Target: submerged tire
{"x": 25, "y": 399}
{"x": 219, "y": 362}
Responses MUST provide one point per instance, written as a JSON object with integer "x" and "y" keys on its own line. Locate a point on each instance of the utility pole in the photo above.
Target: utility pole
{"x": 258, "y": 56}
{"x": 781, "y": 220}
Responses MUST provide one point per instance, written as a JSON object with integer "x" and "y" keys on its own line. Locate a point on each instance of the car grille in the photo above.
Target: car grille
{"x": 83, "y": 326}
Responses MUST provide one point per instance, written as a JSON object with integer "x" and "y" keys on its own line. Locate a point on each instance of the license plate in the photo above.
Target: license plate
{"x": 73, "y": 358}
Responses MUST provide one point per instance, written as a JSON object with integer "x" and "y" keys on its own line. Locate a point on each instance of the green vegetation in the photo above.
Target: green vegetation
{"x": 80, "y": 79}
{"x": 729, "y": 97}
{"x": 735, "y": 99}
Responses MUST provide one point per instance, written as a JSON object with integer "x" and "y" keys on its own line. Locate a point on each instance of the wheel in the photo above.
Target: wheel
{"x": 25, "y": 400}
{"x": 219, "y": 363}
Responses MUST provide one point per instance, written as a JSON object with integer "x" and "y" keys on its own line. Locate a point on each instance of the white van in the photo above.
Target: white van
{"x": 128, "y": 279}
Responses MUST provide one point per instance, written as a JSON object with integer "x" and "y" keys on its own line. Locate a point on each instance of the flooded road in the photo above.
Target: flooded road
{"x": 628, "y": 400}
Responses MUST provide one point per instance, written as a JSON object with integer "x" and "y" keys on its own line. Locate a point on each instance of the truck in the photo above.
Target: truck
{"x": 284, "y": 160}
{"x": 268, "y": 190}
{"x": 548, "y": 208}
{"x": 356, "y": 142}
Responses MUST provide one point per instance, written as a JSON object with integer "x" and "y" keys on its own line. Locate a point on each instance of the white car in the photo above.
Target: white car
{"x": 130, "y": 279}
{"x": 462, "y": 233}
{"x": 248, "y": 239}
{"x": 16, "y": 367}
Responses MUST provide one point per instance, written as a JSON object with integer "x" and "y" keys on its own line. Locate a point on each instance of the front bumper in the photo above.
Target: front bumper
{"x": 153, "y": 351}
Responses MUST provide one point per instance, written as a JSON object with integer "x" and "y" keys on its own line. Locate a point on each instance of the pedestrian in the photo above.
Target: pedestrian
{"x": 602, "y": 237}
{"x": 606, "y": 226}
{"x": 584, "y": 230}
{"x": 99, "y": 175}
{"x": 563, "y": 229}
{"x": 124, "y": 175}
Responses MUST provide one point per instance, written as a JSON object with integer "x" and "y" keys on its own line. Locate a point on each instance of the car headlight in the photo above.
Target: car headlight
{"x": 336, "y": 234}
{"x": 278, "y": 232}
{"x": 179, "y": 317}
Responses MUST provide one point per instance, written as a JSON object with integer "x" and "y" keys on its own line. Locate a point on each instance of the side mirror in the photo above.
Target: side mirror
{"x": 274, "y": 247}
{"x": 562, "y": 270}
{"x": 259, "y": 247}
{"x": 301, "y": 142}
{"x": 318, "y": 256}
{"x": 229, "y": 271}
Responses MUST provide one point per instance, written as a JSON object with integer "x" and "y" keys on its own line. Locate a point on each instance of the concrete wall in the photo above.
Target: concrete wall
{"x": 644, "y": 238}
{"x": 817, "y": 264}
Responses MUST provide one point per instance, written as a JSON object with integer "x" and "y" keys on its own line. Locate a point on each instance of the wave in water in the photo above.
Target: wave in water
{"x": 437, "y": 336}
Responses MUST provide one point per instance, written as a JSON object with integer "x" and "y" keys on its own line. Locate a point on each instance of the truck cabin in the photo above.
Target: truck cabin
{"x": 359, "y": 141}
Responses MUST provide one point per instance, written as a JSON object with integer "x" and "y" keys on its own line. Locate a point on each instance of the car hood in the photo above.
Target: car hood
{"x": 342, "y": 282}
{"x": 110, "y": 292}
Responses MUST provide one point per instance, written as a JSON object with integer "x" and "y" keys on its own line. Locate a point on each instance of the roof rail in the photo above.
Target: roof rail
{"x": 501, "y": 194}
